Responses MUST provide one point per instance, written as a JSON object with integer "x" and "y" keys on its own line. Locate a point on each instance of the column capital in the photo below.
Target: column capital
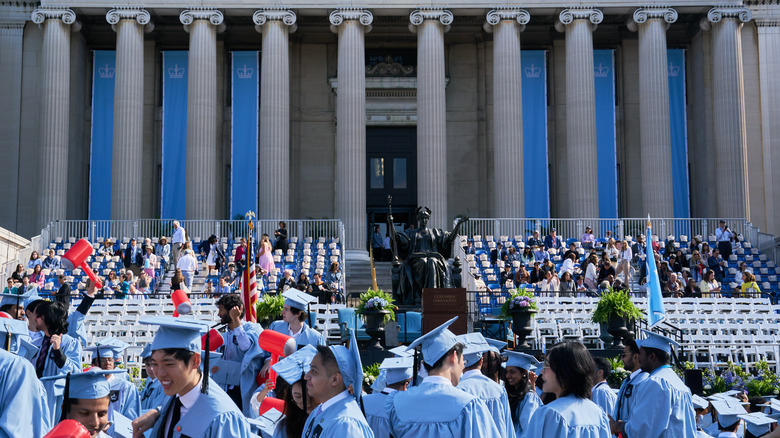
{"x": 140, "y": 15}
{"x": 494, "y": 17}
{"x": 339, "y": 16}
{"x": 568, "y": 15}
{"x": 715, "y": 15}
{"x": 641, "y": 15}
{"x": 286, "y": 16}
{"x": 417, "y": 17}
{"x": 11, "y": 27}
{"x": 188, "y": 16}
{"x": 42, "y": 14}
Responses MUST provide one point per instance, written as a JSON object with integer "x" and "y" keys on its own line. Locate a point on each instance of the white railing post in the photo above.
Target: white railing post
{"x": 622, "y": 228}
{"x": 704, "y": 231}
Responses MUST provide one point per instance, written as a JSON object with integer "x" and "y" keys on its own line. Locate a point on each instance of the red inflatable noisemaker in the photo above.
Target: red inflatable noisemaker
{"x": 181, "y": 303}
{"x": 215, "y": 340}
{"x": 68, "y": 429}
{"x": 274, "y": 343}
{"x": 76, "y": 257}
{"x": 269, "y": 403}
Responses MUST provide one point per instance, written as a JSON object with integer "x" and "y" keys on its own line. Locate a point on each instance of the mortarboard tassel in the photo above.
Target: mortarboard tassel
{"x": 66, "y": 400}
{"x": 416, "y": 366}
{"x": 204, "y": 389}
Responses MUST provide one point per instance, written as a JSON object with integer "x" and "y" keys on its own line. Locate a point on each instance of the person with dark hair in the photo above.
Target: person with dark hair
{"x": 294, "y": 315}
{"x": 281, "y": 238}
{"x": 298, "y": 404}
{"x": 124, "y": 394}
{"x": 568, "y": 373}
{"x": 195, "y": 405}
{"x": 436, "y": 408}
{"x": 59, "y": 353}
{"x": 476, "y": 384}
{"x": 729, "y": 412}
{"x": 152, "y": 395}
{"x": 626, "y": 398}
{"x": 241, "y": 350}
{"x": 63, "y": 294}
{"x": 520, "y": 381}
{"x": 395, "y": 375}
{"x": 602, "y": 394}
{"x": 212, "y": 252}
{"x": 663, "y": 394}
{"x": 491, "y": 366}
{"x": 334, "y": 370}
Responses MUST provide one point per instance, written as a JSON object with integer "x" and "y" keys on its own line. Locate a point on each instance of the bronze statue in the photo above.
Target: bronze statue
{"x": 424, "y": 252}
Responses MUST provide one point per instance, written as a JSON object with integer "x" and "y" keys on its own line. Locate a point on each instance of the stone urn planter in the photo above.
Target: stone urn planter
{"x": 375, "y": 326}
{"x": 522, "y": 326}
{"x": 617, "y": 327}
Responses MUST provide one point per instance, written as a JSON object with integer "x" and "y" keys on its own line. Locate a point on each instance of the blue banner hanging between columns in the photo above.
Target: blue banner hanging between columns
{"x": 174, "y": 135}
{"x": 102, "y": 134}
{"x": 604, "y": 73}
{"x": 535, "y": 164}
{"x": 679, "y": 135}
{"x": 245, "y": 98}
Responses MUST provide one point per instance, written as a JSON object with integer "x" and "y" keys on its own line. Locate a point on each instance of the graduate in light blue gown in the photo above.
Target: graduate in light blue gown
{"x": 298, "y": 404}
{"x": 663, "y": 394}
{"x": 703, "y": 415}
{"x": 436, "y": 408}
{"x": 240, "y": 348}
{"x": 152, "y": 395}
{"x": 729, "y": 421}
{"x": 626, "y": 397}
{"x": 602, "y": 394}
{"x": 396, "y": 375}
{"x": 58, "y": 354}
{"x": 23, "y": 410}
{"x": 568, "y": 373}
{"x": 194, "y": 406}
{"x": 87, "y": 401}
{"x": 293, "y": 316}
{"x": 124, "y": 395}
{"x": 758, "y": 423}
{"x": 523, "y": 400}
{"x": 477, "y": 384}
{"x": 333, "y": 370}
{"x": 76, "y": 327}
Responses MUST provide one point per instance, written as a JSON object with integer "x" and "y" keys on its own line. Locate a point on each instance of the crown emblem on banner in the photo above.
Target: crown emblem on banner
{"x": 601, "y": 71}
{"x": 245, "y": 72}
{"x": 106, "y": 72}
{"x": 674, "y": 70}
{"x": 176, "y": 72}
{"x": 533, "y": 71}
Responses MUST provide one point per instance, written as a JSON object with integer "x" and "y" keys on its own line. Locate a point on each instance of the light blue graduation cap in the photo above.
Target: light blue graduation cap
{"x": 660, "y": 342}
{"x": 110, "y": 348}
{"x": 728, "y": 395}
{"x": 401, "y": 351}
{"x": 89, "y": 385}
{"x": 350, "y": 367}
{"x": 293, "y": 367}
{"x": 436, "y": 342}
{"x": 773, "y": 404}
{"x": 521, "y": 360}
{"x": 298, "y": 299}
{"x": 397, "y": 369}
{"x": 119, "y": 347}
{"x": 380, "y": 383}
{"x": 474, "y": 344}
{"x": 758, "y": 423}
{"x": 11, "y": 331}
{"x": 146, "y": 352}
{"x": 728, "y": 411}
{"x": 699, "y": 402}
{"x": 15, "y": 299}
{"x": 27, "y": 349}
{"x": 176, "y": 333}
{"x": 496, "y": 345}
{"x": 31, "y": 296}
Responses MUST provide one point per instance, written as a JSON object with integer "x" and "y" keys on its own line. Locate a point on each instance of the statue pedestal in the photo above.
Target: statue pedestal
{"x": 441, "y": 305}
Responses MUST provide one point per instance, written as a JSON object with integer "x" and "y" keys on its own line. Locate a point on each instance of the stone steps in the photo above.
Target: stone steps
{"x": 358, "y": 275}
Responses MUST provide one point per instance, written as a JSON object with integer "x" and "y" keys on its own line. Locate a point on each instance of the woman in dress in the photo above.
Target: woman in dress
{"x": 265, "y": 258}
{"x": 519, "y": 382}
{"x": 334, "y": 279}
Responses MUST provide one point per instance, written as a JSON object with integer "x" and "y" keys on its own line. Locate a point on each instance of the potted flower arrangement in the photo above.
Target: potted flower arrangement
{"x": 377, "y": 308}
{"x": 615, "y": 312}
{"x": 370, "y": 374}
{"x": 269, "y": 308}
{"x": 520, "y": 308}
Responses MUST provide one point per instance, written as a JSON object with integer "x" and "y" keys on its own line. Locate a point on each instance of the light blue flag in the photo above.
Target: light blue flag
{"x": 655, "y": 303}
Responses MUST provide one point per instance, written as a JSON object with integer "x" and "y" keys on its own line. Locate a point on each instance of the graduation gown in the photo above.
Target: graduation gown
{"x": 55, "y": 388}
{"x": 603, "y": 396}
{"x": 213, "y": 415}
{"x": 436, "y": 409}
{"x": 308, "y": 335}
{"x": 525, "y": 410}
{"x": 376, "y": 414}
{"x": 76, "y": 328}
{"x": 251, "y": 363}
{"x": 23, "y": 410}
{"x": 124, "y": 397}
{"x": 570, "y": 417}
{"x": 668, "y": 399}
{"x": 152, "y": 395}
{"x": 626, "y": 397}
{"x": 341, "y": 420}
{"x": 494, "y": 397}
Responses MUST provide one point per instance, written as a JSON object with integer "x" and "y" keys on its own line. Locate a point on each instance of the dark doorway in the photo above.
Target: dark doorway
{"x": 391, "y": 163}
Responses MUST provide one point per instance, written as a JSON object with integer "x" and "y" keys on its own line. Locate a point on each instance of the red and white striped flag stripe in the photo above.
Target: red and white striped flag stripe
{"x": 249, "y": 289}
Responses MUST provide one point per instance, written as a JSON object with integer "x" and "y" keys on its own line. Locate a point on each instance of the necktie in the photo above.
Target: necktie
{"x": 175, "y": 416}
{"x": 39, "y": 364}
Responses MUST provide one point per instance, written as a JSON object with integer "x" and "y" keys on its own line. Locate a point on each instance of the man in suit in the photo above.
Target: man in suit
{"x": 716, "y": 263}
{"x": 639, "y": 249}
{"x": 63, "y": 294}
{"x": 497, "y": 254}
{"x": 134, "y": 258}
{"x": 552, "y": 240}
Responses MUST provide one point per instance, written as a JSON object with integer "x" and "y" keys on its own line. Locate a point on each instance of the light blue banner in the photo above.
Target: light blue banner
{"x": 535, "y": 171}
{"x": 174, "y": 134}
{"x": 101, "y": 152}
{"x": 245, "y": 92}
{"x": 678, "y": 125}
{"x": 604, "y": 72}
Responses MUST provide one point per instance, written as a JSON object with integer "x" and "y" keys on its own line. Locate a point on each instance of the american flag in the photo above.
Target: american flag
{"x": 249, "y": 286}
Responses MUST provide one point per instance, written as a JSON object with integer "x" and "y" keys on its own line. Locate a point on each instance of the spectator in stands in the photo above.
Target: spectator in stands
{"x": 522, "y": 276}
{"x": 229, "y": 274}
{"x": 281, "y": 237}
{"x": 111, "y": 284}
{"x": 541, "y": 254}
{"x": 588, "y": 239}
{"x": 567, "y": 285}
{"x": 320, "y": 290}
{"x": 124, "y": 286}
{"x": 150, "y": 262}
{"x": 178, "y": 239}
{"x": 134, "y": 258}
{"x": 618, "y": 285}
{"x": 552, "y": 240}
{"x": 34, "y": 261}
{"x": 548, "y": 265}
{"x": 724, "y": 236}
{"x": 669, "y": 248}
{"x": 674, "y": 264}
{"x": 691, "y": 290}
{"x": 26, "y": 287}
{"x": 241, "y": 252}
{"x": 655, "y": 244}
{"x": 506, "y": 275}
{"x": 580, "y": 284}
{"x": 749, "y": 286}
{"x": 512, "y": 255}
{"x": 551, "y": 282}
{"x": 51, "y": 261}
{"x": 188, "y": 266}
{"x": 663, "y": 271}
{"x": 716, "y": 264}
{"x": 387, "y": 250}
{"x": 144, "y": 283}
{"x": 706, "y": 253}
{"x": 568, "y": 264}
{"x": 211, "y": 251}
{"x": 265, "y": 258}
{"x": 376, "y": 244}
{"x": 528, "y": 256}
{"x": 178, "y": 282}
{"x": 469, "y": 248}
{"x": 286, "y": 282}
{"x": 303, "y": 283}
{"x": 498, "y": 253}
{"x": 606, "y": 270}
{"x": 106, "y": 249}
{"x": 147, "y": 244}
{"x": 709, "y": 286}
{"x": 63, "y": 294}
{"x": 624, "y": 261}
{"x": 222, "y": 287}
{"x": 209, "y": 289}
{"x": 591, "y": 272}
{"x": 9, "y": 288}
{"x": 572, "y": 250}
{"x": 334, "y": 279}
{"x": 673, "y": 287}
{"x": 639, "y": 249}
{"x": 695, "y": 244}
{"x": 18, "y": 273}
{"x": 611, "y": 250}
{"x": 534, "y": 240}
{"x": 697, "y": 265}
{"x": 163, "y": 253}
{"x": 537, "y": 274}
{"x": 739, "y": 276}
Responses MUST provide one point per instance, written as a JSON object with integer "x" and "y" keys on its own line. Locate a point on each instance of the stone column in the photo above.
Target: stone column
{"x": 582, "y": 176}
{"x": 128, "y": 111}
{"x": 654, "y": 130}
{"x": 728, "y": 111}
{"x": 769, "y": 65}
{"x": 274, "y": 153}
{"x": 11, "y": 44}
{"x": 350, "y": 189}
{"x": 430, "y": 26}
{"x": 201, "y": 199}
{"x": 55, "y": 112}
{"x": 506, "y": 26}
